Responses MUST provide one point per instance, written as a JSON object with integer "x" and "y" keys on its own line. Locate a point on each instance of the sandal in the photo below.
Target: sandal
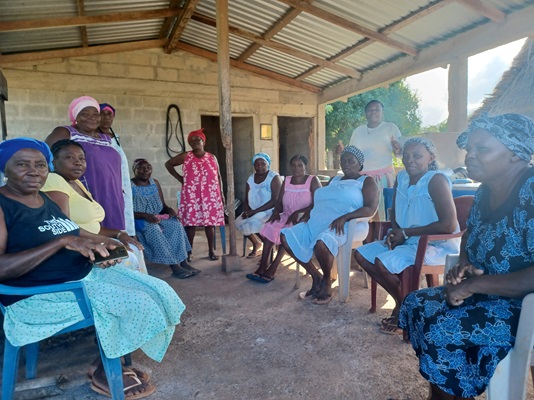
{"x": 392, "y": 327}
{"x": 254, "y": 253}
{"x": 323, "y": 301}
{"x": 213, "y": 257}
{"x": 103, "y": 387}
{"x": 181, "y": 273}
{"x": 189, "y": 268}
{"x": 385, "y": 321}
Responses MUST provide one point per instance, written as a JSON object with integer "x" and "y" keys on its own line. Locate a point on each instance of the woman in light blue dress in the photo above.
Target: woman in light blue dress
{"x": 325, "y": 227}
{"x": 262, "y": 191}
{"x": 422, "y": 205}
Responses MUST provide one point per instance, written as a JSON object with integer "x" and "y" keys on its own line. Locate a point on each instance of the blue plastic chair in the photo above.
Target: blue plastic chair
{"x": 112, "y": 366}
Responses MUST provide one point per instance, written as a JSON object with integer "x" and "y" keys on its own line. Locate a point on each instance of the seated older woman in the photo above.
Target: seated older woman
{"x": 422, "y": 205}
{"x": 40, "y": 245}
{"x": 460, "y": 332}
{"x": 157, "y": 225}
{"x": 325, "y": 228}
{"x": 65, "y": 189}
{"x": 262, "y": 191}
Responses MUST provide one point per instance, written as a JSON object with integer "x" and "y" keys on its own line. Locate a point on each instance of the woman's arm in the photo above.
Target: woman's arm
{"x": 314, "y": 185}
{"x": 166, "y": 209}
{"x": 279, "y": 205}
{"x": 57, "y": 134}
{"x": 370, "y": 205}
{"x": 61, "y": 199}
{"x": 276, "y": 184}
{"x": 174, "y": 162}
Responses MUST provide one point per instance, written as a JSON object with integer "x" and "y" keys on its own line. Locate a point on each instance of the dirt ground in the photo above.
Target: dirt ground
{"x": 245, "y": 340}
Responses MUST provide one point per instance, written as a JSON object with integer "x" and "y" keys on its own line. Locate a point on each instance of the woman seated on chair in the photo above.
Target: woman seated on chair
{"x": 422, "y": 205}
{"x": 40, "y": 245}
{"x": 295, "y": 198}
{"x": 325, "y": 227}
{"x": 461, "y": 331}
{"x": 262, "y": 191}
{"x": 65, "y": 189}
{"x": 157, "y": 225}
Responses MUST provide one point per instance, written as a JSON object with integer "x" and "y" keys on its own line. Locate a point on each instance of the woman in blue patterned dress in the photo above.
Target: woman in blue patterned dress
{"x": 461, "y": 331}
{"x": 157, "y": 226}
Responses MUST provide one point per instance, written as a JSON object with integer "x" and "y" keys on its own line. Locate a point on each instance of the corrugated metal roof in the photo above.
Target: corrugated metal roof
{"x": 314, "y": 34}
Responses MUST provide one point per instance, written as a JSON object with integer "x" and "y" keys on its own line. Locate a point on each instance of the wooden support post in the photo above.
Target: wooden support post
{"x": 457, "y": 121}
{"x": 225, "y": 111}
{"x": 3, "y": 98}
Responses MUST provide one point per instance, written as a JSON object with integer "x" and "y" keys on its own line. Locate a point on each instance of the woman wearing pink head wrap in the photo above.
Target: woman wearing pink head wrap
{"x": 103, "y": 174}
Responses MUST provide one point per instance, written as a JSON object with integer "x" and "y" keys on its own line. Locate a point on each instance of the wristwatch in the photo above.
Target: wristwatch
{"x": 406, "y": 237}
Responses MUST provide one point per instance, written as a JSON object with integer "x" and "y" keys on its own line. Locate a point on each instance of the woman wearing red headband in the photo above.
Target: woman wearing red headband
{"x": 201, "y": 202}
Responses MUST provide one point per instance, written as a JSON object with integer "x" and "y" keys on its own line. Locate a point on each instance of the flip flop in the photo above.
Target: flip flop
{"x": 183, "y": 274}
{"x": 305, "y": 295}
{"x": 385, "y": 321}
{"x": 253, "y": 254}
{"x": 323, "y": 301}
{"x": 252, "y": 277}
{"x": 125, "y": 370}
{"x": 103, "y": 388}
{"x": 264, "y": 279}
{"x": 391, "y": 328}
{"x": 213, "y": 257}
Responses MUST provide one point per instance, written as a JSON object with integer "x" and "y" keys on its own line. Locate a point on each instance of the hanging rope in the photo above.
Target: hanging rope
{"x": 172, "y": 131}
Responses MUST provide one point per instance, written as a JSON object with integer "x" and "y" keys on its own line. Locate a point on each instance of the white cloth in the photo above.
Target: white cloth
{"x": 375, "y": 143}
{"x": 413, "y": 207}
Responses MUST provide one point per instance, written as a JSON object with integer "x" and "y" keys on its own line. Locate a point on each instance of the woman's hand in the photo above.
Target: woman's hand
{"x": 456, "y": 294}
{"x": 305, "y": 217}
{"x": 151, "y": 218}
{"x": 87, "y": 247}
{"x": 127, "y": 240}
{"x": 294, "y": 218}
{"x": 248, "y": 214}
{"x": 171, "y": 212}
{"x": 394, "y": 237}
{"x": 274, "y": 217}
{"x": 338, "y": 225}
{"x": 462, "y": 271}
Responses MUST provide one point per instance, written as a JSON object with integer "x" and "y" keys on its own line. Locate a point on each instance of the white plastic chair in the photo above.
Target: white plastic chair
{"x": 358, "y": 229}
{"x": 510, "y": 380}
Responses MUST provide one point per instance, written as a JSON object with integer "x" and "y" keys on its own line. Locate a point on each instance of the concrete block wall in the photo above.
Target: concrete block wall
{"x": 141, "y": 85}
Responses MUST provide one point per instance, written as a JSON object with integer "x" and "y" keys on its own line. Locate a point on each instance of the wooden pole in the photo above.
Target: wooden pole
{"x": 225, "y": 120}
{"x": 457, "y": 121}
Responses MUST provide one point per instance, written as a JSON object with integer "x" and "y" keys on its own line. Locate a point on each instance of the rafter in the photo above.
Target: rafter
{"x": 281, "y": 47}
{"x": 86, "y": 20}
{"x": 179, "y": 26}
{"x": 83, "y": 29}
{"x": 248, "y": 67}
{"x": 393, "y": 27}
{"x": 349, "y": 25}
{"x": 169, "y": 21}
{"x": 81, "y": 51}
{"x": 484, "y": 9}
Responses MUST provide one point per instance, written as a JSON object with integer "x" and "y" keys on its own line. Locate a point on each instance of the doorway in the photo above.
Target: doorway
{"x": 295, "y": 137}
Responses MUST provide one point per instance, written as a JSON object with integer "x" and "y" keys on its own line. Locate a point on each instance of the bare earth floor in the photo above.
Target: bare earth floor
{"x": 245, "y": 340}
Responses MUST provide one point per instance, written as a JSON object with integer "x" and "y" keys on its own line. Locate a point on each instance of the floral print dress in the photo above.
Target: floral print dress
{"x": 460, "y": 347}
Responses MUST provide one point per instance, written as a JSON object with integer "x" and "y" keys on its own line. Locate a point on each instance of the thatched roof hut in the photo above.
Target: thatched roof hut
{"x": 515, "y": 92}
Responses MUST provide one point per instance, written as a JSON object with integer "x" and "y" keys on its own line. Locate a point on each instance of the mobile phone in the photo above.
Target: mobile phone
{"x": 119, "y": 253}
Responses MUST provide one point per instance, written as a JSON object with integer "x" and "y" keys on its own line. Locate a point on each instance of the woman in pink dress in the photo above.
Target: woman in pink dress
{"x": 295, "y": 198}
{"x": 201, "y": 200}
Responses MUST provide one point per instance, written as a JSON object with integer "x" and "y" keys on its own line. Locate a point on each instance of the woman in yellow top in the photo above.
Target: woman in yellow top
{"x": 66, "y": 190}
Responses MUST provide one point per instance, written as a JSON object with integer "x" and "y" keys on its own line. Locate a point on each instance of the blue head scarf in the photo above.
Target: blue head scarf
{"x": 430, "y": 146}
{"x": 11, "y": 146}
{"x": 356, "y": 152}
{"x": 262, "y": 156}
{"x": 515, "y": 131}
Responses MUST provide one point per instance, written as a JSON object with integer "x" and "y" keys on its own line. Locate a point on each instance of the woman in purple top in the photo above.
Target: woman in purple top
{"x": 103, "y": 174}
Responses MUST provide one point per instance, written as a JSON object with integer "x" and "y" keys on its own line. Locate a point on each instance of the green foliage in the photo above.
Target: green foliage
{"x": 440, "y": 127}
{"x": 401, "y": 106}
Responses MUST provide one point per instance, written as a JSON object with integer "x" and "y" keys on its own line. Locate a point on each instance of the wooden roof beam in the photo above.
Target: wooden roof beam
{"x": 81, "y": 51}
{"x": 179, "y": 26}
{"x": 168, "y": 22}
{"x": 484, "y": 9}
{"x": 83, "y": 29}
{"x": 6, "y": 26}
{"x": 281, "y": 47}
{"x": 349, "y": 25}
{"x": 248, "y": 67}
{"x": 393, "y": 27}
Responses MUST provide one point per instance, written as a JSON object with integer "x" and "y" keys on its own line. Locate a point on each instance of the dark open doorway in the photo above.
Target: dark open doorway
{"x": 242, "y": 141}
{"x": 295, "y": 137}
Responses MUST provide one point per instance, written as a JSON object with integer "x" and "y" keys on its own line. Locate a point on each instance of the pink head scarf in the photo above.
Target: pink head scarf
{"x": 79, "y": 104}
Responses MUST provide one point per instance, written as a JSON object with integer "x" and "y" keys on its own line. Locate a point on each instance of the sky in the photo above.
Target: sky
{"x": 484, "y": 72}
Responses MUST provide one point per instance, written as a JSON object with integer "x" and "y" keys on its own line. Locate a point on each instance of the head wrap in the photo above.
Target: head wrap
{"x": 79, "y": 104}
{"x": 199, "y": 133}
{"x": 515, "y": 131}
{"x": 11, "y": 146}
{"x": 263, "y": 156}
{"x": 356, "y": 152}
{"x": 431, "y": 148}
{"x": 138, "y": 161}
{"x": 106, "y": 106}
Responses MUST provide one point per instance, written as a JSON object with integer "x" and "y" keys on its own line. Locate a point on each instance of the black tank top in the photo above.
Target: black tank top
{"x": 30, "y": 227}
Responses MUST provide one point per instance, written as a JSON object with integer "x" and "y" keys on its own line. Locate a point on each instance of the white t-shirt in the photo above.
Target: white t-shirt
{"x": 375, "y": 143}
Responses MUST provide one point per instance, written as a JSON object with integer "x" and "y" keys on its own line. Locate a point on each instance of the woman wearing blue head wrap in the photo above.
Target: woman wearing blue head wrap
{"x": 262, "y": 191}
{"x": 40, "y": 245}
{"x": 460, "y": 332}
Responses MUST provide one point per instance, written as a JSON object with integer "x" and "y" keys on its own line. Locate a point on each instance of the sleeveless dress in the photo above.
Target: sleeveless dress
{"x": 201, "y": 200}
{"x": 88, "y": 214}
{"x": 103, "y": 176}
{"x": 258, "y": 195}
{"x": 340, "y": 197}
{"x": 459, "y": 347}
{"x": 414, "y": 207}
{"x": 130, "y": 310}
{"x": 296, "y": 197}
{"x": 166, "y": 242}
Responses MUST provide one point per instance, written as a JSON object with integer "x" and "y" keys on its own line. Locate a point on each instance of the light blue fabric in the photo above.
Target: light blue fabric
{"x": 413, "y": 207}
{"x": 131, "y": 311}
{"x": 258, "y": 195}
{"x": 340, "y": 197}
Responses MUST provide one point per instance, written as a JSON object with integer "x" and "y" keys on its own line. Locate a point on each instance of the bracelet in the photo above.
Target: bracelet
{"x": 119, "y": 234}
{"x": 406, "y": 237}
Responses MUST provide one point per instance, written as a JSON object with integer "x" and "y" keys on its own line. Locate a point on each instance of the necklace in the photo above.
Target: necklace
{"x": 370, "y": 130}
